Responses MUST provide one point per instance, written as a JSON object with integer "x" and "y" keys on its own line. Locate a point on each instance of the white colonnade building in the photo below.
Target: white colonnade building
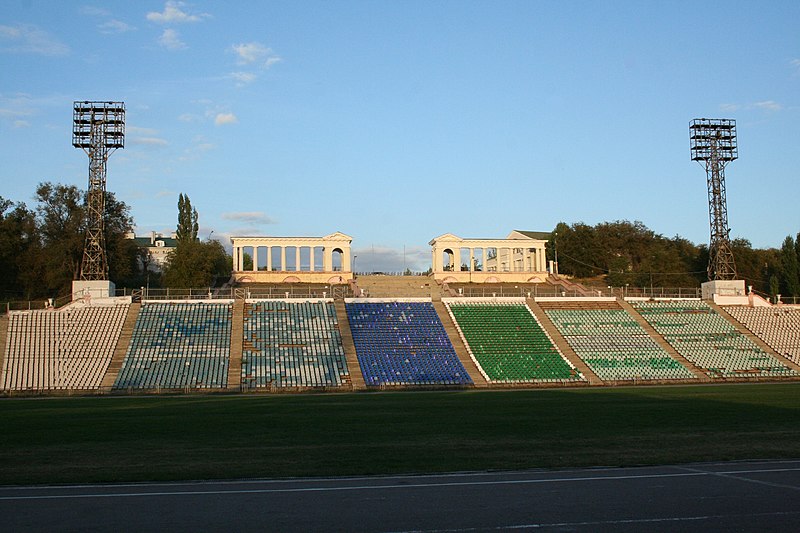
{"x": 519, "y": 258}
{"x": 293, "y": 259}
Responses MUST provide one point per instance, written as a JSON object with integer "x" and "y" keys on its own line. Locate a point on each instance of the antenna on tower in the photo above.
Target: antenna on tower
{"x": 713, "y": 145}
{"x": 99, "y": 129}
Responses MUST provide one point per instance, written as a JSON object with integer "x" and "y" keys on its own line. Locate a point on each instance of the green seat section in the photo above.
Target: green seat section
{"x": 615, "y": 346}
{"x": 708, "y": 340}
{"x": 509, "y": 345}
{"x": 178, "y": 345}
{"x": 292, "y": 345}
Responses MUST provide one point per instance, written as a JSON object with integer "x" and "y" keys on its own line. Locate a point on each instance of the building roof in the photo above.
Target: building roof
{"x": 539, "y": 235}
{"x": 145, "y": 242}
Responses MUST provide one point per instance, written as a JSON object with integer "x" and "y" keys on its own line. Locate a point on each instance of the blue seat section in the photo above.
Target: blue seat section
{"x": 178, "y": 346}
{"x": 708, "y": 340}
{"x": 403, "y": 343}
{"x": 292, "y": 345}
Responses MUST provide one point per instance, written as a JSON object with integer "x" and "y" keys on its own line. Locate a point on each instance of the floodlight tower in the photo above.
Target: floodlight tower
{"x": 99, "y": 129}
{"x": 713, "y": 145}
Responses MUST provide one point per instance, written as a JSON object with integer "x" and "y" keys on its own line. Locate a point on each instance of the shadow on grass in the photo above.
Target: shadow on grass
{"x": 173, "y": 438}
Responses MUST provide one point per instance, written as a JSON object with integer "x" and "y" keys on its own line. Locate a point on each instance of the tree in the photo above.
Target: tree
{"x": 193, "y": 263}
{"x": 790, "y": 267}
{"x": 19, "y": 248}
{"x": 187, "y": 220}
{"x": 196, "y": 264}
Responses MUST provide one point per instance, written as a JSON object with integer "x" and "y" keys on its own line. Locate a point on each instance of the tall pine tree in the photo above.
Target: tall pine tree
{"x": 790, "y": 267}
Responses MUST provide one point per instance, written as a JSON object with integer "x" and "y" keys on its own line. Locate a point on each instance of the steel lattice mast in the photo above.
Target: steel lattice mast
{"x": 713, "y": 145}
{"x": 99, "y": 129}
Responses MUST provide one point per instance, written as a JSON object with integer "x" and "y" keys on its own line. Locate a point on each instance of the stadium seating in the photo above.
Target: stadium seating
{"x": 178, "y": 346}
{"x": 403, "y": 343}
{"x": 68, "y": 349}
{"x": 708, "y": 340}
{"x": 507, "y": 343}
{"x": 615, "y": 346}
{"x": 292, "y": 345}
{"x": 779, "y": 327}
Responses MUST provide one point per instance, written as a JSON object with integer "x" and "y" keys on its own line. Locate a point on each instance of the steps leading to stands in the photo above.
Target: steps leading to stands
{"x": 237, "y": 346}
{"x": 562, "y": 344}
{"x": 356, "y": 376}
{"x": 458, "y": 345}
{"x": 121, "y": 348}
{"x": 3, "y": 341}
{"x": 741, "y": 328}
{"x": 656, "y": 336}
{"x": 380, "y": 286}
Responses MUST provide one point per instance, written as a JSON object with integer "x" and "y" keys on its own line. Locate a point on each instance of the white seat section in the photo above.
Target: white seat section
{"x": 778, "y": 327}
{"x": 68, "y": 349}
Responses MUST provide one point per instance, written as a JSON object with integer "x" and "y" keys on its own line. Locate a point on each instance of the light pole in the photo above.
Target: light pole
{"x": 354, "y": 266}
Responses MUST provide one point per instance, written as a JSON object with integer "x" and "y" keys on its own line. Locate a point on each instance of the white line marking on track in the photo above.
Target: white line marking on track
{"x": 603, "y": 522}
{"x": 685, "y": 473}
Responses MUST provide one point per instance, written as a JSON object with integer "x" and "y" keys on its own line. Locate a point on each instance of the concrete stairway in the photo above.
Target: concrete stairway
{"x": 356, "y": 376}
{"x": 562, "y": 344}
{"x": 378, "y": 286}
{"x": 237, "y": 346}
{"x": 656, "y": 336}
{"x": 458, "y": 345}
{"x": 753, "y": 337}
{"x": 121, "y": 348}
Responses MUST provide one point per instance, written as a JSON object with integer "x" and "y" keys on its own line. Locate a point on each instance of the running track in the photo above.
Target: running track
{"x": 736, "y": 496}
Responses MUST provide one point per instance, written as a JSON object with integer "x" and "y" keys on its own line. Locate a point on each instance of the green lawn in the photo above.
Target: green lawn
{"x": 69, "y": 440}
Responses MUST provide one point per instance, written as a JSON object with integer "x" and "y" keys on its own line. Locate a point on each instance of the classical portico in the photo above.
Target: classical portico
{"x": 519, "y": 258}
{"x": 293, "y": 259}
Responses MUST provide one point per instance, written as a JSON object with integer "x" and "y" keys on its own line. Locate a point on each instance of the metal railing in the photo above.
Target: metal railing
{"x": 536, "y": 291}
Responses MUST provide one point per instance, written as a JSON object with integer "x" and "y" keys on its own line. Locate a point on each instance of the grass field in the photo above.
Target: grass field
{"x": 70, "y": 440}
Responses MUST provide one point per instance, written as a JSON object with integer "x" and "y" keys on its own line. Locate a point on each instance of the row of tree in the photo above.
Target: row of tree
{"x": 628, "y": 253}
{"x": 41, "y": 250}
{"x": 41, "y": 247}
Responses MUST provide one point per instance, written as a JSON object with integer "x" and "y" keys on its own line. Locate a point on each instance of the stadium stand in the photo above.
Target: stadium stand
{"x": 708, "y": 340}
{"x": 612, "y": 343}
{"x": 403, "y": 343}
{"x": 68, "y": 349}
{"x": 292, "y": 345}
{"x": 508, "y": 344}
{"x": 182, "y": 345}
{"x": 778, "y": 327}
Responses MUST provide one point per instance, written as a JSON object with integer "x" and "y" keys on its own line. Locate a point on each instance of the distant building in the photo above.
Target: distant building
{"x": 158, "y": 247}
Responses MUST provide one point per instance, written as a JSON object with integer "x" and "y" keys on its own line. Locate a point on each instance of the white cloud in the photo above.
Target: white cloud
{"x": 250, "y": 217}
{"x": 764, "y": 105}
{"x": 94, "y": 11}
{"x": 165, "y": 193}
{"x": 255, "y": 53}
{"x": 187, "y": 117}
{"x": 243, "y": 78}
{"x": 795, "y": 63}
{"x": 25, "y": 38}
{"x": 769, "y": 105}
{"x": 225, "y": 118}
{"x": 149, "y": 141}
{"x": 171, "y": 40}
{"x": 114, "y": 26}
{"x": 174, "y": 13}
{"x": 21, "y": 123}
{"x": 141, "y": 131}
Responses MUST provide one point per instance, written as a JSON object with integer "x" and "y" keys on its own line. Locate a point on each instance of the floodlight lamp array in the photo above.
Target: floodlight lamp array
{"x": 104, "y": 119}
{"x": 713, "y": 139}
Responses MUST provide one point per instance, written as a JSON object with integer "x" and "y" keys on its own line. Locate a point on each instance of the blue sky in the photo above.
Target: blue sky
{"x": 398, "y": 121}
